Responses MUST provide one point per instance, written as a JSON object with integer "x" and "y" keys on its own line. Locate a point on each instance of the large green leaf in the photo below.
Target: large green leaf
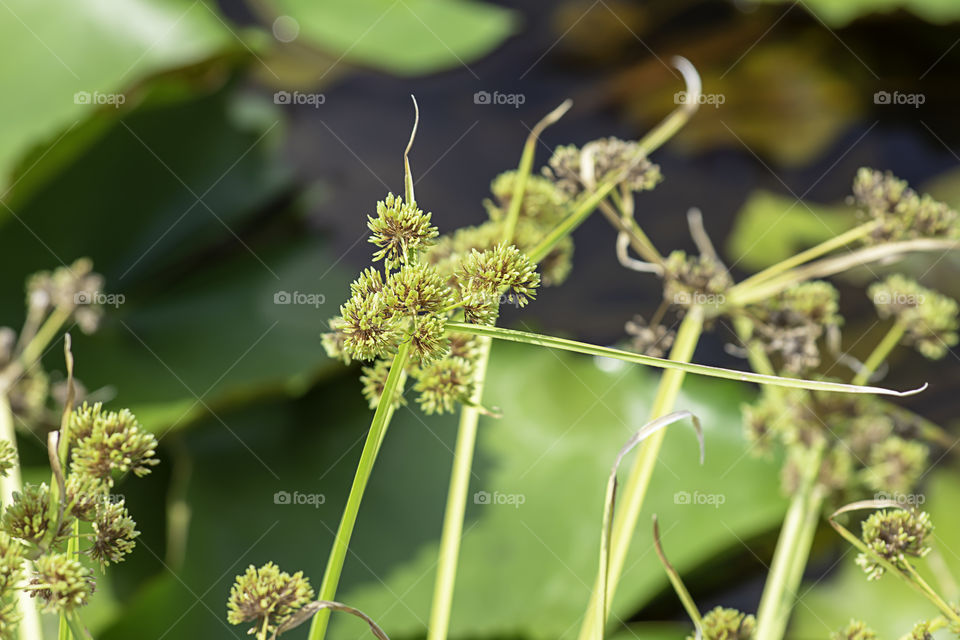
{"x": 526, "y": 569}
{"x": 407, "y": 37}
{"x": 55, "y": 49}
{"x": 173, "y": 228}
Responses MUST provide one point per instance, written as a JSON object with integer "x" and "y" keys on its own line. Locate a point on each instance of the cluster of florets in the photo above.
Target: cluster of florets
{"x": 791, "y": 324}
{"x": 866, "y": 451}
{"x": 40, "y": 520}
{"x": 727, "y": 624}
{"x": 894, "y": 536}
{"x": 267, "y": 597}
{"x": 928, "y": 317}
{"x": 573, "y": 170}
{"x": 415, "y": 297}
{"x": 856, "y": 630}
{"x": 650, "y": 340}
{"x": 901, "y": 213}
{"x": 695, "y": 281}
{"x": 75, "y": 289}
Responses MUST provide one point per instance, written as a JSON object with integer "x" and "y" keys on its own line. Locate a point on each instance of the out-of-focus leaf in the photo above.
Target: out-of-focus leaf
{"x": 408, "y": 37}
{"x": 770, "y": 228}
{"x": 782, "y": 101}
{"x": 525, "y": 568}
{"x": 888, "y": 605}
{"x": 64, "y": 59}
{"x": 838, "y": 14}
{"x": 197, "y": 293}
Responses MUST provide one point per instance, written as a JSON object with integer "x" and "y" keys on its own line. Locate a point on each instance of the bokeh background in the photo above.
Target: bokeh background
{"x": 210, "y": 156}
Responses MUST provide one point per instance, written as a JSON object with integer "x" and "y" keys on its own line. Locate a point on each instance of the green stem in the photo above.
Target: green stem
{"x": 931, "y": 594}
{"x": 571, "y": 222}
{"x": 76, "y": 626}
{"x": 671, "y": 363}
{"x": 73, "y": 547}
{"x": 880, "y": 353}
{"x": 791, "y": 554}
{"x": 837, "y": 242}
{"x": 456, "y": 503}
{"x": 341, "y": 543}
{"x": 635, "y": 489}
{"x": 46, "y": 333}
{"x": 29, "y": 628}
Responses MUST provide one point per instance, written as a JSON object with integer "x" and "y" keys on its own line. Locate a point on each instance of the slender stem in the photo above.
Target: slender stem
{"x": 29, "y": 628}
{"x": 571, "y": 222}
{"x": 635, "y": 489}
{"x": 790, "y": 556}
{"x": 880, "y": 353}
{"x": 76, "y": 626}
{"x": 931, "y": 594}
{"x": 73, "y": 547}
{"x": 341, "y": 543}
{"x": 933, "y": 625}
{"x": 46, "y": 333}
{"x": 834, "y": 243}
{"x": 833, "y": 265}
{"x": 671, "y": 363}
{"x": 456, "y": 503}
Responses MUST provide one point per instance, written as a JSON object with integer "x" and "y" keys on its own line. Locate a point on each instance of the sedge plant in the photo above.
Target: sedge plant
{"x": 424, "y": 314}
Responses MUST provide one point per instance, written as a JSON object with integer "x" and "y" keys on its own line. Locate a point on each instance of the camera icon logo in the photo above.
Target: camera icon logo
{"x": 82, "y": 97}
{"x": 882, "y": 297}
{"x": 481, "y": 97}
{"x": 282, "y": 297}
{"x": 881, "y": 97}
{"x": 481, "y": 497}
{"x": 681, "y": 497}
{"x": 282, "y": 97}
{"x": 282, "y": 497}
{"x": 82, "y": 297}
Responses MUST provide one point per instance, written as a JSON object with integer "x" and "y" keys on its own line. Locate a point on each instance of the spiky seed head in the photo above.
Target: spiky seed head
{"x": 370, "y": 329}
{"x": 400, "y": 230}
{"x": 85, "y": 494}
{"x": 444, "y": 384}
{"x": 11, "y": 564}
{"x": 610, "y": 158}
{"x": 652, "y": 341}
{"x": 61, "y": 582}
{"x": 894, "y": 535}
{"x": 856, "y": 630}
{"x": 694, "y": 280}
{"x": 727, "y": 624}
{"x": 76, "y": 288}
{"x": 108, "y": 442}
{"x": 543, "y": 202}
{"x": 369, "y": 282}
{"x": 503, "y": 270}
{"x": 895, "y": 465}
{"x": 27, "y": 517}
{"x": 267, "y": 594}
{"x": 902, "y": 214}
{"x": 374, "y": 379}
{"x": 930, "y": 317}
{"x": 114, "y": 533}
{"x": 428, "y": 342}
{"x": 333, "y": 341}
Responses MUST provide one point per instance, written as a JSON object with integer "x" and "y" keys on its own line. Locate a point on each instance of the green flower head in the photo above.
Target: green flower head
{"x": 928, "y": 317}
{"x": 374, "y": 379}
{"x": 856, "y": 630}
{"x": 894, "y": 535}
{"x": 267, "y": 596}
{"x": 901, "y": 213}
{"x": 109, "y": 441}
{"x": 727, "y": 624}
{"x": 444, "y": 384}
{"x": 28, "y": 516}
{"x": 114, "y": 533}
{"x": 61, "y": 582}
{"x": 400, "y": 230}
